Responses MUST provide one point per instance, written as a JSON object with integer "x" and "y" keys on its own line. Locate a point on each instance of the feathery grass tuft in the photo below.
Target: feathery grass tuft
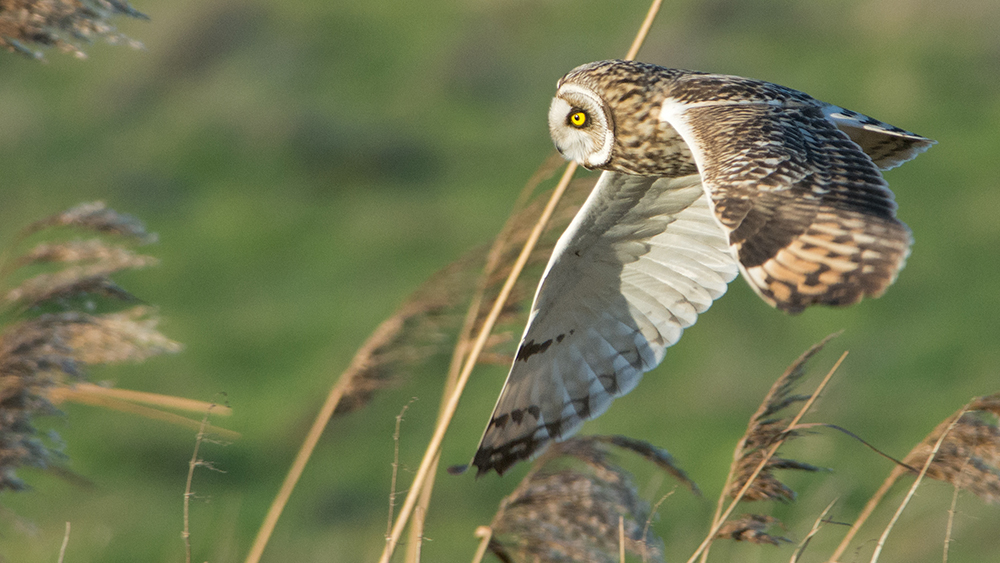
{"x": 43, "y": 352}
{"x": 64, "y": 24}
{"x": 764, "y": 430}
{"x": 418, "y": 329}
{"x": 95, "y": 216}
{"x": 751, "y": 528}
{"x": 414, "y": 332}
{"x": 561, "y": 513}
{"x": 969, "y": 456}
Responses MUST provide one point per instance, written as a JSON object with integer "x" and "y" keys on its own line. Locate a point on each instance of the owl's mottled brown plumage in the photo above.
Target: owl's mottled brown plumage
{"x": 705, "y": 174}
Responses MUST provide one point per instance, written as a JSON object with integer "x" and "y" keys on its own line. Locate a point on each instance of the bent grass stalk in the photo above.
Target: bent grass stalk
{"x": 464, "y": 341}
{"x": 449, "y": 411}
{"x": 916, "y": 483}
{"x": 883, "y": 490}
{"x": 186, "y": 532}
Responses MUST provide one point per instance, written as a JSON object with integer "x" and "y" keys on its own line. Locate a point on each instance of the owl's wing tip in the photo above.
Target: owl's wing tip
{"x": 500, "y": 459}
{"x": 458, "y": 469}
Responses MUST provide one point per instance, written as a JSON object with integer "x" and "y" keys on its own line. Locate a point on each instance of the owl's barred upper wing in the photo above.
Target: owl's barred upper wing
{"x": 640, "y": 261}
{"x": 806, "y": 209}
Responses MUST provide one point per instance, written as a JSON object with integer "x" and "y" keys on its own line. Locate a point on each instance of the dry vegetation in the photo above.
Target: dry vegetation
{"x": 56, "y": 324}
{"x": 26, "y": 25}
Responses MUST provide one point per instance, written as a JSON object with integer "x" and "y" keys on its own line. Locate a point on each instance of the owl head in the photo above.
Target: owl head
{"x": 606, "y": 115}
{"x": 581, "y": 125}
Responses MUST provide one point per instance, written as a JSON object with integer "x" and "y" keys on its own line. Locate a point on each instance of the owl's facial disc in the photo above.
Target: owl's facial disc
{"x": 580, "y": 126}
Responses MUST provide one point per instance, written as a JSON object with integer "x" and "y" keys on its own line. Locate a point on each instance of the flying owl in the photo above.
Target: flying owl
{"x": 705, "y": 175}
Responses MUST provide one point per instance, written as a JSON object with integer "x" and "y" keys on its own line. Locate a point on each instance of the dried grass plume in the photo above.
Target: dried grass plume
{"x": 26, "y": 25}
{"x": 969, "y": 456}
{"x": 571, "y": 512}
{"x": 59, "y": 322}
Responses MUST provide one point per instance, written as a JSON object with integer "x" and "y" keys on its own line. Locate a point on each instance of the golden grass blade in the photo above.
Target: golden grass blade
{"x": 812, "y": 532}
{"x": 65, "y": 542}
{"x": 640, "y": 37}
{"x": 78, "y": 391}
{"x": 295, "y": 471}
{"x": 484, "y": 533}
{"x": 112, "y": 403}
{"x": 435, "y": 444}
{"x": 621, "y": 538}
{"x": 763, "y": 463}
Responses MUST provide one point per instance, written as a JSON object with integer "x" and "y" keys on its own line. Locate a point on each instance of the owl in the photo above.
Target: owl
{"x": 705, "y": 176}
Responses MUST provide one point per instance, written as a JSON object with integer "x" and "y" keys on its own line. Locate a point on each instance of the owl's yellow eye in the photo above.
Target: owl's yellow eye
{"x": 578, "y": 118}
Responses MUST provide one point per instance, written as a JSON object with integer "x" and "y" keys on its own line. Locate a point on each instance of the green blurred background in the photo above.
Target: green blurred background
{"x": 308, "y": 164}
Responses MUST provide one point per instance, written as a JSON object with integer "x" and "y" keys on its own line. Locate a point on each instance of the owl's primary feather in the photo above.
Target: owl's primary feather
{"x": 705, "y": 175}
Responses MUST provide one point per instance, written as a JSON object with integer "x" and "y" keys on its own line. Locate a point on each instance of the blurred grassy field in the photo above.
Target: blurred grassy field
{"x": 308, "y": 164}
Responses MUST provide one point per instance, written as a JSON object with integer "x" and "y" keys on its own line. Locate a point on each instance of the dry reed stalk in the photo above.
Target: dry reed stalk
{"x": 763, "y": 462}
{"x": 485, "y": 534}
{"x": 371, "y": 369}
{"x": 812, "y": 532}
{"x": 870, "y": 506}
{"x": 435, "y": 444}
{"x": 192, "y": 464}
{"x": 65, "y": 542}
{"x": 509, "y": 234}
{"x": 951, "y": 523}
{"x": 761, "y": 432}
{"x": 79, "y": 391}
{"x": 649, "y": 522}
{"x": 431, "y": 453}
{"x": 961, "y": 450}
{"x": 298, "y": 466}
{"x": 621, "y": 538}
{"x": 913, "y": 488}
{"x": 395, "y": 463}
{"x": 111, "y": 403}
